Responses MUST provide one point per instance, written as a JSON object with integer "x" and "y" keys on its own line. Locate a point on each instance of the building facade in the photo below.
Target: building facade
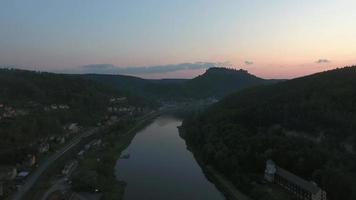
{"x": 303, "y": 189}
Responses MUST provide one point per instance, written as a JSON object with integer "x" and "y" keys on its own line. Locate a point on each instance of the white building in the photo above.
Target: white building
{"x": 303, "y": 189}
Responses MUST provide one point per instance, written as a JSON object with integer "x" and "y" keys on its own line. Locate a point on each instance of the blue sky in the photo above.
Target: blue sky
{"x": 279, "y": 38}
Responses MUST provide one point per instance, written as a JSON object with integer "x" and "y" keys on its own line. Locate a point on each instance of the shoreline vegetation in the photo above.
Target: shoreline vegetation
{"x": 224, "y": 185}
{"x": 219, "y": 180}
{"x": 96, "y": 168}
{"x": 306, "y": 125}
{"x": 100, "y": 164}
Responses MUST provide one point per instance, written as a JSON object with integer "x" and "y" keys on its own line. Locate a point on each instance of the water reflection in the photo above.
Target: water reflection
{"x": 160, "y": 166}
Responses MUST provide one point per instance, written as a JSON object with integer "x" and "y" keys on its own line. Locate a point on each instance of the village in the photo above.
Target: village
{"x": 13, "y": 177}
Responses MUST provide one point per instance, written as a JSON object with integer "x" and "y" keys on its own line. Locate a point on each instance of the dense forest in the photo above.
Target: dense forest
{"x": 34, "y": 105}
{"x": 215, "y": 82}
{"x": 306, "y": 125}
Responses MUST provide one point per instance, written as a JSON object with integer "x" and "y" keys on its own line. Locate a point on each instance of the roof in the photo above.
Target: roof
{"x": 306, "y": 185}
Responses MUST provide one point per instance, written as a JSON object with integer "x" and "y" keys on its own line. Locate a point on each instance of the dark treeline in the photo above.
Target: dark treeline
{"x": 26, "y": 114}
{"x": 306, "y": 125}
{"x": 215, "y": 82}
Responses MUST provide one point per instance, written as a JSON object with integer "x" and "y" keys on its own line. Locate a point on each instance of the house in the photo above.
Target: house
{"x": 68, "y": 168}
{"x": 43, "y": 148}
{"x": 118, "y": 99}
{"x": 54, "y": 107}
{"x": 305, "y": 190}
{"x": 81, "y": 153}
{"x": 63, "y": 107}
{"x": 73, "y": 127}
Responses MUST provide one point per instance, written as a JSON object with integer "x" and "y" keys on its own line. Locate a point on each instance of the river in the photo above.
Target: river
{"x": 161, "y": 168}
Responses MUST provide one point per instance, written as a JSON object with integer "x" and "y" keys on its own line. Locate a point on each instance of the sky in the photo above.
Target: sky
{"x": 272, "y": 39}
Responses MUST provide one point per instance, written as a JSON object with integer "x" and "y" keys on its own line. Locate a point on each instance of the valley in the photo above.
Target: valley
{"x": 177, "y": 100}
{"x": 231, "y": 128}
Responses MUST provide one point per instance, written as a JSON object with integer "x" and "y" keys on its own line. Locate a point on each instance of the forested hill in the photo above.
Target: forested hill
{"x": 323, "y": 103}
{"x": 307, "y": 125}
{"x": 219, "y": 82}
{"x": 19, "y": 87}
{"x": 36, "y": 104}
{"x": 215, "y": 82}
{"x": 149, "y": 89}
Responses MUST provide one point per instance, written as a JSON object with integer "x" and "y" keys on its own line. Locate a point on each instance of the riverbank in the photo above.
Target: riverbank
{"x": 219, "y": 180}
{"x": 54, "y": 172}
{"x": 38, "y": 180}
{"x": 96, "y": 170}
{"x": 224, "y": 185}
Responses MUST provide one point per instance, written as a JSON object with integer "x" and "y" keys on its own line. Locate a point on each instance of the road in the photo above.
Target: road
{"x": 35, "y": 175}
{"x": 60, "y": 184}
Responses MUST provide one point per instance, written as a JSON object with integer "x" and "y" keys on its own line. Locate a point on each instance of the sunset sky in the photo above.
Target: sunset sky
{"x": 272, "y": 39}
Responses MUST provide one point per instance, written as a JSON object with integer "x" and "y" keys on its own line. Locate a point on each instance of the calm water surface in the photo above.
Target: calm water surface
{"x": 161, "y": 168}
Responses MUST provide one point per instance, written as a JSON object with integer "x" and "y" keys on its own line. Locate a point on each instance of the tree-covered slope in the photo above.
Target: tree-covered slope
{"x": 307, "y": 125}
{"x": 20, "y": 86}
{"x": 35, "y": 105}
{"x": 215, "y": 82}
{"x": 219, "y": 82}
{"x": 149, "y": 89}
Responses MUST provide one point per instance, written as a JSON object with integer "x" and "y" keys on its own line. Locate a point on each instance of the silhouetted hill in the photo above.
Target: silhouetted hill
{"x": 21, "y": 86}
{"x": 218, "y": 82}
{"x": 149, "y": 89}
{"x": 215, "y": 82}
{"x": 307, "y": 125}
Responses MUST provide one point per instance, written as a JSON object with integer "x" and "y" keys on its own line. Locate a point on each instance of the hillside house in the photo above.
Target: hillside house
{"x": 43, "y": 148}
{"x": 68, "y": 168}
{"x": 54, "y": 107}
{"x": 73, "y": 127}
{"x": 303, "y": 189}
{"x": 63, "y": 107}
{"x": 118, "y": 100}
